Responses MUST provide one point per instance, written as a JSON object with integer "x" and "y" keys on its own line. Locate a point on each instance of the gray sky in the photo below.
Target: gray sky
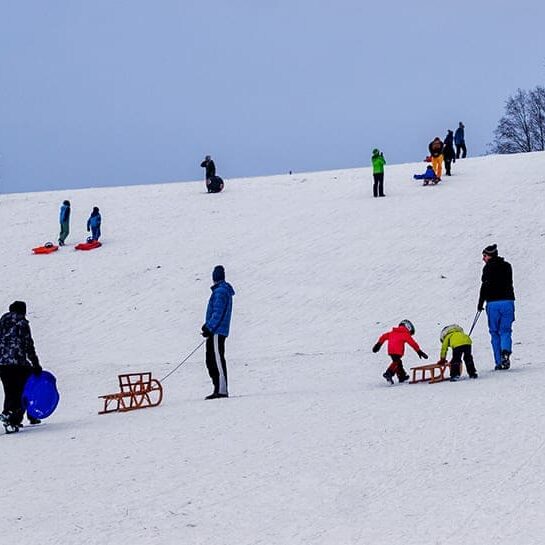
{"x": 118, "y": 92}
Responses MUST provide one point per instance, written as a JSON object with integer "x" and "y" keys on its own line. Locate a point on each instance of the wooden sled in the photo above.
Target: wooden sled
{"x": 436, "y": 373}
{"x": 137, "y": 391}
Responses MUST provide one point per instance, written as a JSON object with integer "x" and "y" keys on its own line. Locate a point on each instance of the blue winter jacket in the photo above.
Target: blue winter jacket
{"x": 64, "y": 215}
{"x": 428, "y": 175}
{"x": 459, "y": 136}
{"x": 220, "y": 305}
{"x": 94, "y": 221}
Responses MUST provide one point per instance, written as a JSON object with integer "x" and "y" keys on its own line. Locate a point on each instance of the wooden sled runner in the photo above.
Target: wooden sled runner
{"x": 137, "y": 391}
{"x": 436, "y": 373}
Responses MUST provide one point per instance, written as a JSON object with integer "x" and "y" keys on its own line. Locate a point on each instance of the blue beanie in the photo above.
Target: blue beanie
{"x": 218, "y": 274}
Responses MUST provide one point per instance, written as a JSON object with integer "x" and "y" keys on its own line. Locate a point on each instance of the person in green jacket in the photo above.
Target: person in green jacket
{"x": 378, "y": 173}
{"x": 453, "y": 336}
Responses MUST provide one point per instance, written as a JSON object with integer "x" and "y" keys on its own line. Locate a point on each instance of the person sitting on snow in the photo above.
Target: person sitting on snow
{"x": 428, "y": 176}
{"x": 397, "y": 338}
{"x": 453, "y": 336}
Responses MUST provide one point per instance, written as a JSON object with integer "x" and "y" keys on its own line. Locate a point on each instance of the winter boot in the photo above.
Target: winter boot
{"x": 34, "y": 421}
{"x": 388, "y": 376}
{"x": 505, "y": 361}
{"x": 216, "y": 396}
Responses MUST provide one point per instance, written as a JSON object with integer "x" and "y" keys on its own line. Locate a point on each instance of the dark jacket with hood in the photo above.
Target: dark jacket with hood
{"x": 16, "y": 344}
{"x": 448, "y": 148}
{"x": 210, "y": 167}
{"x": 436, "y": 147}
{"x": 497, "y": 282}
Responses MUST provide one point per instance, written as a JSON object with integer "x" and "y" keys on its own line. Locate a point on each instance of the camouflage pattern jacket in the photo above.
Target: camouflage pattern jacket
{"x": 16, "y": 344}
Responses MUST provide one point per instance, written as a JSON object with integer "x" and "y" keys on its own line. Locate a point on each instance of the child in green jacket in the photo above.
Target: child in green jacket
{"x": 453, "y": 336}
{"x": 378, "y": 173}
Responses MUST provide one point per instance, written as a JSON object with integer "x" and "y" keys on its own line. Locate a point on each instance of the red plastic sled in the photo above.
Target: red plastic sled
{"x": 88, "y": 245}
{"x": 45, "y": 249}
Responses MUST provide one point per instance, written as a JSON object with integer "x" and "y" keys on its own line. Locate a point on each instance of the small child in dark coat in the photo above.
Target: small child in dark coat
{"x": 93, "y": 223}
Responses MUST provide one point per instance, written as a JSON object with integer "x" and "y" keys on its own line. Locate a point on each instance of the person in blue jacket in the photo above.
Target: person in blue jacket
{"x": 216, "y": 329}
{"x": 460, "y": 141}
{"x": 93, "y": 223}
{"x": 64, "y": 219}
{"x": 428, "y": 176}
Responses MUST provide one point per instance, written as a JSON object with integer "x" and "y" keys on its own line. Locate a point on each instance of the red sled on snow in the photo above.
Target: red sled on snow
{"x": 91, "y": 245}
{"x": 47, "y": 248}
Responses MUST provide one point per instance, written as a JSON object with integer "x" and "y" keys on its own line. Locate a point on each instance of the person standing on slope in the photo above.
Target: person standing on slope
{"x": 448, "y": 152}
{"x": 64, "y": 218}
{"x": 18, "y": 360}
{"x": 397, "y": 338}
{"x": 460, "y": 141}
{"x": 436, "y": 152}
{"x": 216, "y": 330}
{"x": 378, "y": 173}
{"x": 94, "y": 222}
{"x": 498, "y": 293}
{"x": 214, "y": 184}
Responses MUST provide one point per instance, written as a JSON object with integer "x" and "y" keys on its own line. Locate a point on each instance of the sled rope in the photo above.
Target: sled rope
{"x": 183, "y": 361}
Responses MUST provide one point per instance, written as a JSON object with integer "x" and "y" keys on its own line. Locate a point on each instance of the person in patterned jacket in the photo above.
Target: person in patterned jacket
{"x": 18, "y": 360}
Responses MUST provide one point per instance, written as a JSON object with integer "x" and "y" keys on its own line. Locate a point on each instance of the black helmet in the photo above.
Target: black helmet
{"x": 409, "y": 325}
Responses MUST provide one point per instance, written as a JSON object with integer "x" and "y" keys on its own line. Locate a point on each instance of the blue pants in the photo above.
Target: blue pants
{"x": 95, "y": 232}
{"x": 501, "y": 315}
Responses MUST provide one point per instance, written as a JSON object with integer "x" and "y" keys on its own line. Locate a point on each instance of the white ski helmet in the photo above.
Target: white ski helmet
{"x": 409, "y": 325}
{"x": 449, "y": 329}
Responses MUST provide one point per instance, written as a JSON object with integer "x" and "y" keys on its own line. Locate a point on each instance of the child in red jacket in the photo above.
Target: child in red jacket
{"x": 397, "y": 338}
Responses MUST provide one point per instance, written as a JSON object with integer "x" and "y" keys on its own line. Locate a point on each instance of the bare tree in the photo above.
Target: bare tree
{"x": 522, "y": 127}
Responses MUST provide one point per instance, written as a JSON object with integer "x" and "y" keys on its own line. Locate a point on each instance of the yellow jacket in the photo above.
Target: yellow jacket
{"x": 454, "y": 339}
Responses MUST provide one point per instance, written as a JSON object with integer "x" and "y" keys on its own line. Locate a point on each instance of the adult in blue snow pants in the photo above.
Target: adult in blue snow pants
{"x": 498, "y": 293}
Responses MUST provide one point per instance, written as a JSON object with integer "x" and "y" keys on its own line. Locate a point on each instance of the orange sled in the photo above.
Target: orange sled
{"x": 45, "y": 249}
{"x": 88, "y": 245}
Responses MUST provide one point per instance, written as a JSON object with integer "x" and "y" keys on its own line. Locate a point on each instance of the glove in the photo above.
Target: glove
{"x": 205, "y": 331}
{"x": 37, "y": 370}
{"x": 442, "y": 361}
{"x": 480, "y": 307}
{"x": 422, "y": 354}
{"x": 88, "y": 230}
{"x": 376, "y": 348}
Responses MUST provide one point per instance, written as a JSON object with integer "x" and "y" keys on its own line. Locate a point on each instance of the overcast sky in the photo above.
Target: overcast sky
{"x": 118, "y": 92}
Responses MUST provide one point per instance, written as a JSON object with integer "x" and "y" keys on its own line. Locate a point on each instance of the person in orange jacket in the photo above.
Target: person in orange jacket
{"x": 397, "y": 338}
{"x": 436, "y": 151}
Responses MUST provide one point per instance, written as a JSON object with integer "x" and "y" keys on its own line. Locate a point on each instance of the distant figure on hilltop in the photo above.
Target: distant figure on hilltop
{"x": 397, "y": 338}
{"x": 378, "y": 173}
{"x": 448, "y": 152}
{"x": 64, "y": 219}
{"x": 460, "y": 141}
{"x": 93, "y": 223}
{"x": 498, "y": 293}
{"x": 436, "y": 153}
{"x": 214, "y": 184}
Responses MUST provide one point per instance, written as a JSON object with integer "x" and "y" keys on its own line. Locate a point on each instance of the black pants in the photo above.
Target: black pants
{"x": 378, "y": 184}
{"x": 457, "y": 354}
{"x": 216, "y": 364}
{"x": 396, "y": 368}
{"x": 461, "y": 148}
{"x": 448, "y": 162}
{"x": 14, "y": 378}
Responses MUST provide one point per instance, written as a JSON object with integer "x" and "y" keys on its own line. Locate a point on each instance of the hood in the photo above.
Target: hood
{"x": 223, "y": 285}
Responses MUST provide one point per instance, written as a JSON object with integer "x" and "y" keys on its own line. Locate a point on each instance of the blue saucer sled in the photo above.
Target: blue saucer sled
{"x": 40, "y": 395}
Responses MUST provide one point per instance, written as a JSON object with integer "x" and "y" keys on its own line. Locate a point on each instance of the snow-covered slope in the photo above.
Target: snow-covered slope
{"x": 313, "y": 447}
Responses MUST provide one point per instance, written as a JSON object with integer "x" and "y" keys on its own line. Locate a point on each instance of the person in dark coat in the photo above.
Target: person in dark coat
{"x": 214, "y": 184}
{"x": 18, "y": 360}
{"x": 216, "y": 330}
{"x": 460, "y": 141}
{"x": 64, "y": 219}
{"x": 449, "y": 155}
{"x": 94, "y": 222}
{"x": 499, "y": 295}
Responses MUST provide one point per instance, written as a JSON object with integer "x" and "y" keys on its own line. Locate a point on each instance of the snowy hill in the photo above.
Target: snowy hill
{"x": 313, "y": 447}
